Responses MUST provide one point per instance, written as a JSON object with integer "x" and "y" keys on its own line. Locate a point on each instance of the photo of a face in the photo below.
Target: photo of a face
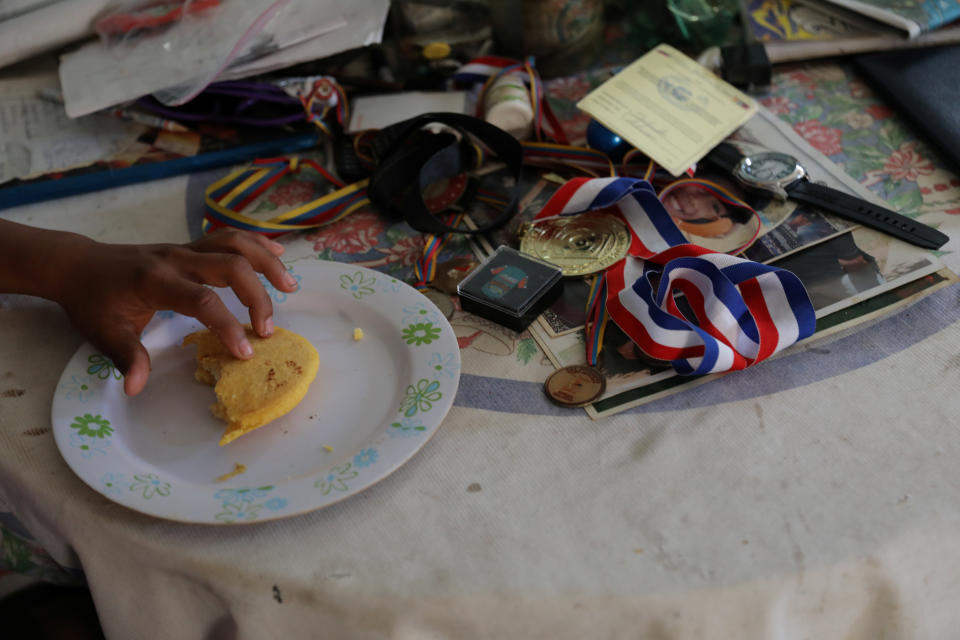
{"x": 707, "y": 220}
{"x": 701, "y": 213}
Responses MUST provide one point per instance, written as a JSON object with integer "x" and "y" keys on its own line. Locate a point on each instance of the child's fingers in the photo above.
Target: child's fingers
{"x": 259, "y": 251}
{"x": 234, "y": 271}
{"x": 275, "y": 248}
{"x": 203, "y": 303}
{"x": 121, "y": 343}
{"x": 135, "y": 379}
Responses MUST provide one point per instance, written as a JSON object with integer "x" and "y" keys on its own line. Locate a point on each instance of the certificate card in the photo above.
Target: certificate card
{"x": 669, "y": 107}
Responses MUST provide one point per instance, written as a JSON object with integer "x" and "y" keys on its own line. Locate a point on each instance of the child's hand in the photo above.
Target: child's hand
{"x": 112, "y": 291}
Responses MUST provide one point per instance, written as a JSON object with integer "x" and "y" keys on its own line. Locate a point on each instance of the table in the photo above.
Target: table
{"x": 812, "y": 496}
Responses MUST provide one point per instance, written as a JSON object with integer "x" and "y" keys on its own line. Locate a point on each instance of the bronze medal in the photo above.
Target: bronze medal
{"x": 452, "y": 272}
{"x": 580, "y": 244}
{"x": 575, "y": 386}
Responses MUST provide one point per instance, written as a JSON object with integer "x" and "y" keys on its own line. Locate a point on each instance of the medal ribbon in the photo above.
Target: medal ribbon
{"x": 740, "y": 312}
{"x": 425, "y": 269}
{"x": 541, "y": 151}
{"x": 226, "y": 199}
{"x": 597, "y": 317}
{"x": 327, "y": 94}
{"x": 489, "y": 69}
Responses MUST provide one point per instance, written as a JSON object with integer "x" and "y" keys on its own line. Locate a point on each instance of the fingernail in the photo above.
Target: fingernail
{"x": 268, "y": 326}
{"x": 246, "y": 350}
{"x": 289, "y": 280}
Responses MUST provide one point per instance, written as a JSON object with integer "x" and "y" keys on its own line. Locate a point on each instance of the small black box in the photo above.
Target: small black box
{"x": 510, "y": 288}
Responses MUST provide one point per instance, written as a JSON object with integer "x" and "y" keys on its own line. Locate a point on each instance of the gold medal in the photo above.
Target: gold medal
{"x": 453, "y": 272}
{"x": 575, "y": 386}
{"x": 580, "y": 244}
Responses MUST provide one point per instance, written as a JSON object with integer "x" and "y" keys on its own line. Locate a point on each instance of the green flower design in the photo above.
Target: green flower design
{"x": 102, "y": 367}
{"x": 233, "y": 512}
{"x": 357, "y": 284}
{"x": 150, "y": 485}
{"x": 336, "y": 480}
{"x": 526, "y": 349}
{"x": 93, "y": 426}
{"x": 407, "y": 425}
{"x": 421, "y": 333}
{"x": 420, "y": 397}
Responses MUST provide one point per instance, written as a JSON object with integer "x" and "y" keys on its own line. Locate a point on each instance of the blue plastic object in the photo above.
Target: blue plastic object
{"x": 602, "y": 139}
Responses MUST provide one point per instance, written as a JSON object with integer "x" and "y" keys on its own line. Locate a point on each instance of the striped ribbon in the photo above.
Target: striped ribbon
{"x": 735, "y": 312}
{"x": 480, "y": 69}
{"x": 425, "y": 269}
{"x": 597, "y": 317}
{"x": 590, "y": 161}
{"x": 488, "y": 69}
{"x": 542, "y": 151}
{"x": 325, "y": 94}
{"x": 226, "y": 199}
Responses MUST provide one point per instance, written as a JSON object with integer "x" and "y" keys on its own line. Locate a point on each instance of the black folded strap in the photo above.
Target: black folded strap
{"x": 408, "y": 159}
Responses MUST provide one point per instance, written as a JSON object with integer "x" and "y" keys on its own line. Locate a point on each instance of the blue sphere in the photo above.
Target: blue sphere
{"x": 602, "y": 139}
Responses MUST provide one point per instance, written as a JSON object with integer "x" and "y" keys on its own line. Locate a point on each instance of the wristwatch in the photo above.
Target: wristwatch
{"x": 783, "y": 176}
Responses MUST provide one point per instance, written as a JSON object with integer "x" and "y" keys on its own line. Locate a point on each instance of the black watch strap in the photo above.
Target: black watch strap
{"x": 866, "y": 213}
{"x": 724, "y": 156}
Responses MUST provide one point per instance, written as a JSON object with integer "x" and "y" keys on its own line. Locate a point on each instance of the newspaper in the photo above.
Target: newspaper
{"x": 37, "y": 137}
{"x": 841, "y": 265}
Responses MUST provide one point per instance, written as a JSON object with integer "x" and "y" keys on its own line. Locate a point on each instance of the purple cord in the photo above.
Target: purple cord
{"x": 253, "y": 92}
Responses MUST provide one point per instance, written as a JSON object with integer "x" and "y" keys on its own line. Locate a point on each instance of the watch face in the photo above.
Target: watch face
{"x": 770, "y": 168}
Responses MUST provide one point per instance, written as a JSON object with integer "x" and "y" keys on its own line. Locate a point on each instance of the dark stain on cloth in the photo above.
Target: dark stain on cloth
{"x": 13, "y": 393}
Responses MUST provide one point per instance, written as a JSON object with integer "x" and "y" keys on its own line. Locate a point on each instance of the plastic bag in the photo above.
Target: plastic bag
{"x": 202, "y": 37}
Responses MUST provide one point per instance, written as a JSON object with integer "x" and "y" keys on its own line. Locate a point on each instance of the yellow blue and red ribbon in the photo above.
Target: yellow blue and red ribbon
{"x": 226, "y": 199}
{"x": 597, "y": 317}
{"x": 425, "y": 269}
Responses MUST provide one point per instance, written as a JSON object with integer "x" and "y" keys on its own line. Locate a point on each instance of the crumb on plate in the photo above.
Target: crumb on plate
{"x": 328, "y": 448}
{"x": 357, "y": 334}
{"x": 237, "y": 470}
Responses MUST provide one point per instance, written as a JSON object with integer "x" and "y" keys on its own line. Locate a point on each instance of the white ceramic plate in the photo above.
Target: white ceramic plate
{"x": 373, "y": 404}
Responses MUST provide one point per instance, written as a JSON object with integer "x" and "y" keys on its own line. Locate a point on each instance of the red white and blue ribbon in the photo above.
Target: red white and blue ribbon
{"x": 480, "y": 69}
{"x": 635, "y": 201}
{"x": 735, "y": 313}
